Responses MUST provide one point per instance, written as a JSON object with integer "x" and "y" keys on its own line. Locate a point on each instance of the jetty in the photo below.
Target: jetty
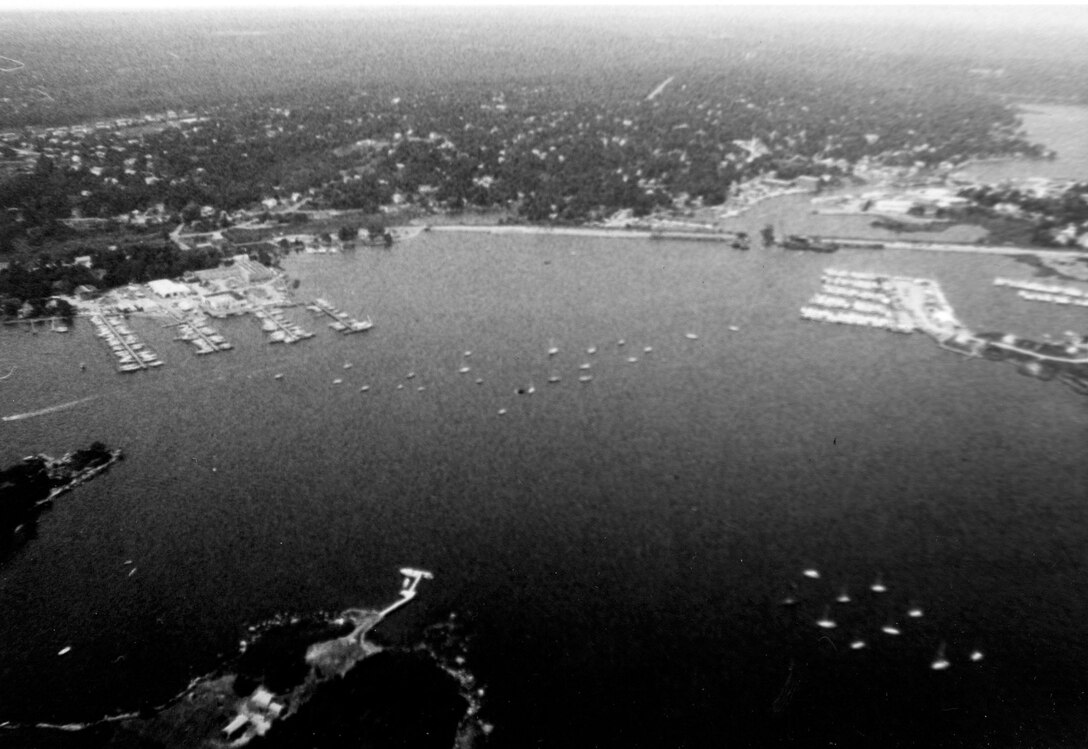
{"x": 341, "y": 321}
{"x": 132, "y": 354}
{"x": 278, "y": 328}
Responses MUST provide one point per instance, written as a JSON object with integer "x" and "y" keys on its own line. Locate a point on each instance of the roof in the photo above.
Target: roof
{"x": 165, "y": 287}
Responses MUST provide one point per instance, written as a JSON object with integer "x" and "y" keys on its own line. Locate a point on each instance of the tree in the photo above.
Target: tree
{"x": 348, "y": 233}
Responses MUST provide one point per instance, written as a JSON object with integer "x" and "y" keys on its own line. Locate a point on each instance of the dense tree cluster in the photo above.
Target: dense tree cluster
{"x": 36, "y": 280}
{"x": 1057, "y": 216}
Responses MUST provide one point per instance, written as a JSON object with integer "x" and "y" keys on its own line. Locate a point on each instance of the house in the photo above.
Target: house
{"x": 85, "y": 292}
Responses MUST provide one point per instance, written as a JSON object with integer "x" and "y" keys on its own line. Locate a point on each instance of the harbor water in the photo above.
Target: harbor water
{"x": 619, "y": 549}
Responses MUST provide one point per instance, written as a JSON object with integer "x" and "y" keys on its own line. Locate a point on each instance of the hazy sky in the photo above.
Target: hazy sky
{"x": 84, "y": 5}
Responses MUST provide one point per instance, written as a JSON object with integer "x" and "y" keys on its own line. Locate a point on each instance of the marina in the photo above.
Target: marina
{"x": 203, "y": 336}
{"x": 132, "y": 354}
{"x": 278, "y": 327}
{"x": 341, "y": 321}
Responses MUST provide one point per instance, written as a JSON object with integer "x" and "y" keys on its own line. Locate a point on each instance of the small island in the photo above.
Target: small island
{"x": 35, "y": 481}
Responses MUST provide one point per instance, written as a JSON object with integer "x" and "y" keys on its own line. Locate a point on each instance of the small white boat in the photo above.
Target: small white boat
{"x": 842, "y": 597}
{"x": 632, "y": 359}
{"x": 591, "y": 350}
{"x": 410, "y": 375}
{"x": 647, "y": 349}
{"x": 857, "y": 644}
{"x": 940, "y": 663}
{"x": 811, "y": 573}
{"x": 587, "y": 365}
{"x": 364, "y": 388}
{"x": 337, "y": 381}
{"x": 347, "y": 365}
{"x": 878, "y": 586}
{"x": 467, "y": 353}
{"x": 502, "y": 412}
{"x": 691, "y": 336}
{"x": 278, "y": 376}
{"x": 421, "y": 388}
{"x": 915, "y": 612}
{"x": 585, "y": 378}
{"x": 479, "y": 381}
{"x": 621, "y": 342}
{"x": 65, "y": 650}
{"x": 552, "y": 349}
{"x": 976, "y": 656}
{"x": 553, "y": 379}
{"x": 464, "y": 370}
{"x": 825, "y": 621}
{"x": 400, "y": 386}
{"x": 891, "y": 629}
{"x": 734, "y": 328}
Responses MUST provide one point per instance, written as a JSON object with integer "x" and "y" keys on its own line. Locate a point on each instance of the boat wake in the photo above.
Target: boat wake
{"x": 51, "y": 409}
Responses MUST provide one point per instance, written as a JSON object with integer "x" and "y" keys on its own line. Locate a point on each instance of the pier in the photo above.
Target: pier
{"x": 202, "y": 335}
{"x": 341, "y": 322}
{"x": 131, "y": 354}
{"x": 279, "y": 329}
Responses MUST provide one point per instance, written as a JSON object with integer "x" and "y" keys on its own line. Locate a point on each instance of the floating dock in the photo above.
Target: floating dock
{"x": 203, "y": 336}
{"x": 1034, "y": 291}
{"x": 278, "y": 328}
{"x": 341, "y": 321}
{"x": 132, "y": 354}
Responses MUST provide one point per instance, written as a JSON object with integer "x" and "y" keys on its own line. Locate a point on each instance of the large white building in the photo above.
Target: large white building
{"x": 168, "y": 289}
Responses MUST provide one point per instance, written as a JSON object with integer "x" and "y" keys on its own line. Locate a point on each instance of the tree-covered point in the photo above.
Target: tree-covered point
{"x": 26, "y": 483}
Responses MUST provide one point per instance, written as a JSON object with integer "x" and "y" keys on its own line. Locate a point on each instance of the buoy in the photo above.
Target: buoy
{"x": 811, "y": 573}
